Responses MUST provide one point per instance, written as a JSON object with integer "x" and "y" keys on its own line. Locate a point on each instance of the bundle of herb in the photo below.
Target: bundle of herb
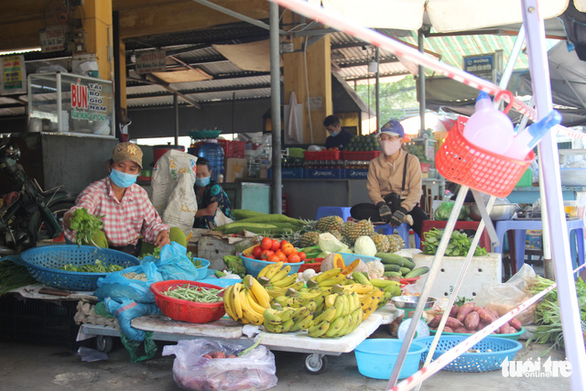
{"x": 13, "y": 276}
{"x": 458, "y": 246}
{"x": 86, "y": 226}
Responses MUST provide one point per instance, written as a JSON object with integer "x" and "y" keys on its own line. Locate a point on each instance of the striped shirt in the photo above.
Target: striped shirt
{"x": 125, "y": 220}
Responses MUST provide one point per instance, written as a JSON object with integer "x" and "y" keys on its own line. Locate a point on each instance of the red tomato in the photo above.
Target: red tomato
{"x": 274, "y": 258}
{"x": 276, "y": 245}
{"x": 288, "y": 249}
{"x": 256, "y": 251}
{"x": 281, "y": 255}
{"x": 284, "y": 242}
{"x": 301, "y": 255}
{"x": 266, "y": 243}
{"x": 266, "y": 254}
{"x": 293, "y": 258}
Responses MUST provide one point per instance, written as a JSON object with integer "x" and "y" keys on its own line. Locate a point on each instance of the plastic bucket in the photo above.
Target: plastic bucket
{"x": 159, "y": 150}
{"x": 376, "y": 357}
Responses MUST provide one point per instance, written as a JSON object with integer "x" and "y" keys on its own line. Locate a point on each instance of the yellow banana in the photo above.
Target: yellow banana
{"x": 304, "y": 323}
{"x": 317, "y": 330}
{"x": 332, "y": 281}
{"x": 346, "y": 328}
{"x": 327, "y": 274}
{"x": 285, "y": 282}
{"x": 252, "y": 302}
{"x": 330, "y": 300}
{"x": 274, "y": 270}
{"x": 259, "y": 292}
{"x": 280, "y": 274}
{"x": 264, "y": 270}
{"x": 247, "y": 312}
{"x": 235, "y": 299}
{"x": 339, "y": 305}
{"x": 326, "y": 316}
{"x": 335, "y": 326}
{"x": 271, "y": 316}
{"x": 352, "y": 302}
{"x": 228, "y": 306}
{"x": 310, "y": 305}
{"x": 359, "y": 288}
{"x": 299, "y": 313}
{"x": 286, "y": 314}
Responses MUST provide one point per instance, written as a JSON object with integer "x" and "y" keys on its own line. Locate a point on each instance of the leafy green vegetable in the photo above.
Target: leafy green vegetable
{"x": 457, "y": 247}
{"x": 97, "y": 267}
{"x": 13, "y": 276}
{"x": 85, "y": 225}
{"x": 235, "y": 265}
{"x": 445, "y": 209}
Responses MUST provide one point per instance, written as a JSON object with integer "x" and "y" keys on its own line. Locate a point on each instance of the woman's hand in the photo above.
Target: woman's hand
{"x": 67, "y": 220}
{"x": 162, "y": 239}
{"x": 397, "y": 217}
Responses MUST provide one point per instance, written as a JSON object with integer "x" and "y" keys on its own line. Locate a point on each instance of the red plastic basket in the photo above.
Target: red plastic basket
{"x": 461, "y": 162}
{"x": 185, "y": 310}
{"x": 233, "y": 148}
{"x": 359, "y": 155}
{"x": 315, "y": 265}
{"x": 322, "y": 155}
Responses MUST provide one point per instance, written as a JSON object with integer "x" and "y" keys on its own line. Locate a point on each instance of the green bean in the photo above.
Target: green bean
{"x": 195, "y": 293}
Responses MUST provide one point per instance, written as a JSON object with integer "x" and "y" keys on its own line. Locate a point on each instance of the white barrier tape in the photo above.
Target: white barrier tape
{"x": 426, "y": 372}
{"x": 402, "y": 50}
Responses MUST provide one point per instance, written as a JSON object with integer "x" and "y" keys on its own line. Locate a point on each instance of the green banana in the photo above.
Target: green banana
{"x": 327, "y": 315}
{"x": 319, "y": 329}
{"x": 287, "y": 325}
{"x": 327, "y": 275}
{"x": 345, "y": 326}
{"x": 335, "y": 326}
{"x": 339, "y": 305}
{"x": 274, "y": 328}
{"x": 360, "y": 278}
{"x": 303, "y": 323}
{"x": 271, "y": 316}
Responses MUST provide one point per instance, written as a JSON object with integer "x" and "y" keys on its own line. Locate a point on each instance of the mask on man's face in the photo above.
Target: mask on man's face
{"x": 334, "y": 134}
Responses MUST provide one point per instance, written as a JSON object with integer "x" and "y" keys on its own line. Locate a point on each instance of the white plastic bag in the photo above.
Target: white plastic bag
{"x": 173, "y": 192}
{"x": 255, "y": 370}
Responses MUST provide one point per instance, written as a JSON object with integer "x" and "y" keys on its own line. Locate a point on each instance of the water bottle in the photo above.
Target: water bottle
{"x": 524, "y": 141}
{"x": 212, "y": 151}
{"x": 489, "y": 128}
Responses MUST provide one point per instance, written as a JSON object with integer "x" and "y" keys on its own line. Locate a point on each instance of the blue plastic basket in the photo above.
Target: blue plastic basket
{"x": 254, "y": 266}
{"x": 349, "y": 258}
{"x": 376, "y": 357}
{"x": 202, "y": 271}
{"x": 484, "y": 361}
{"x": 43, "y": 264}
{"x": 513, "y": 336}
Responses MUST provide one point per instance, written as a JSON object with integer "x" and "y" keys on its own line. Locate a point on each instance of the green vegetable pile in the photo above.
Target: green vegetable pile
{"x": 97, "y": 267}
{"x": 234, "y": 265}
{"x": 13, "y": 276}
{"x": 548, "y": 314}
{"x": 195, "y": 293}
{"x": 86, "y": 226}
{"x": 458, "y": 246}
{"x": 445, "y": 209}
{"x": 157, "y": 254}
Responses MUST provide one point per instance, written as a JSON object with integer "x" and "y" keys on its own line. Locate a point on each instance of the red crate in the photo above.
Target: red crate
{"x": 233, "y": 148}
{"x": 322, "y": 155}
{"x": 359, "y": 155}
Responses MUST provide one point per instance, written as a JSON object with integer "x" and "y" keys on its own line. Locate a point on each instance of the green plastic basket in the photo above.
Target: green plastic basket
{"x": 203, "y": 134}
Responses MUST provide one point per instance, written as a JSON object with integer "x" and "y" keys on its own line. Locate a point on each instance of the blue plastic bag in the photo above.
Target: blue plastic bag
{"x": 127, "y": 310}
{"x": 119, "y": 288}
{"x": 174, "y": 264}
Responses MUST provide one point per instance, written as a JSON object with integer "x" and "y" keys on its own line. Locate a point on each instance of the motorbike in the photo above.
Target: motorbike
{"x": 33, "y": 214}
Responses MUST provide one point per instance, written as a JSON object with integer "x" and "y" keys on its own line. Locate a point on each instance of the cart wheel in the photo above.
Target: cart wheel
{"x": 104, "y": 343}
{"x": 316, "y": 363}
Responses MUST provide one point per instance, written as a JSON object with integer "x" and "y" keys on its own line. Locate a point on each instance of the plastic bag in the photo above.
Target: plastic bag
{"x": 174, "y": 264}
{"x": 191, "y": 371}
{"x": 125, "y": 311}
{"x": 118, "y": 287}
{"x": 504, "y": 297}
{"x": 443, "y": 212}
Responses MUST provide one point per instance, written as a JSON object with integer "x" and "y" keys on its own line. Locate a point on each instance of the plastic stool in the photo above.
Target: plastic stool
{"x": 343, "y": 212}
{"x": 402, "y": 230}
{"x": 575, "y": 235}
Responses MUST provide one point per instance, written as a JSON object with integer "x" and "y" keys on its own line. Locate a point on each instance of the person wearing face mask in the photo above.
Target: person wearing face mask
{"x": 394, "y": 183}
{"x": 338, "y": 137}
{"x": 214, "y": 208}
{"x": 127, "y": 211}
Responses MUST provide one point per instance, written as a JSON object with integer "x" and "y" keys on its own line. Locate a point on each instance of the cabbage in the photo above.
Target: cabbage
{"x": 328, "y": 243}
{"x": 365, "y": 246}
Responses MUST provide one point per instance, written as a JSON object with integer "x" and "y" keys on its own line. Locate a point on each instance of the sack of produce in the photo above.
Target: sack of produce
{"x": 213, "y": 365}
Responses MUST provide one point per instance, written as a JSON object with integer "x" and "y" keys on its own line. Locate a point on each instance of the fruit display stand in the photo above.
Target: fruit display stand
{"x": 317, "y": 349}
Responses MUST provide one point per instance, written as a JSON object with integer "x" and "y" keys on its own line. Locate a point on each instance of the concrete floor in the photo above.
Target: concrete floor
{"x": 31, "y": 366}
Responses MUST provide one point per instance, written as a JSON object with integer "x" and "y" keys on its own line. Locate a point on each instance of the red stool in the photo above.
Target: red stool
{"x": 428, "y": 225}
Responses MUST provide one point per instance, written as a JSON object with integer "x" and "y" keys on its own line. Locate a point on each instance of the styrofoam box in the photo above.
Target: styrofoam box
{"x": 485, "y": 270}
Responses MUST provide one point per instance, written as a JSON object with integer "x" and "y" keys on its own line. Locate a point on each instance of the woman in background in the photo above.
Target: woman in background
{"x": 214, "y": 208}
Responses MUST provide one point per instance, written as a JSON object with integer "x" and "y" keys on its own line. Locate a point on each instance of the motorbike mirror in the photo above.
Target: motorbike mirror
{"x": 10, "y": 151}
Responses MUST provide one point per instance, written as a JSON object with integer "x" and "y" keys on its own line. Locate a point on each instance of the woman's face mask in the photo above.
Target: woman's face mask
{"x": 389, "y": 147}
{"x": 122, "y": 179}
{"x": 334, "y": 134}
{"x": 203, "y": 181}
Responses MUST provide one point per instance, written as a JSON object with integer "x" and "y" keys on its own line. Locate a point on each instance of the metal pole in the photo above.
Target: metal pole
{"x": 421, "y": 84}
{"x": 275, "y": 106}
{"x": 568, "y": 301}
{"x": 176, "y": 118}
{"x": 377, "y": 88}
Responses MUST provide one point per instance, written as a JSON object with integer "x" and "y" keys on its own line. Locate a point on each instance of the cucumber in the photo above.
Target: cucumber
{"x": 417, "y": 272}
{"x": 391, "y": 259}
{"x": 408, "y": 263}
{"x": 240, "y": 214}
{"x": 392, "y": 274}
{"x": 392, "y": 268}
{"x": 273, "y": 219}
{"x": 236, "y": 227}
{"x": 405, "y": 270}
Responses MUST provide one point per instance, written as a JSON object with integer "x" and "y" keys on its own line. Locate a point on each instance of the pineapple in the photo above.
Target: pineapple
{"x": 293, "y": 237}
{"x": 330, "y": 223}
{"x": 345, "y": 230}
{"x": 396, "y": 243}
{"x": 381, "y": 242}
{"x": 361, "y": 228}
{"x": 309, "y": 239}
{"x": 336, "y": 234}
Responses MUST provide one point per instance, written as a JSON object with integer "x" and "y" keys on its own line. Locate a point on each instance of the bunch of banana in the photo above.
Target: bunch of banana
{"x": 390, "y": 288}
{"x": 327, "y": 279}
{"x": 246, "y": 302}
{"x": 342, "y": 314}
{"x": 280, "y": 319}
{"x": 276, "y": 280}
{"x": 369, "y": 301}
{"x": 313, "y": 300}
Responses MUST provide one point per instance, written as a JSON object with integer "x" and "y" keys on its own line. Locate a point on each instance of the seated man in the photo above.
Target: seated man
{"x": 214, "y": 208}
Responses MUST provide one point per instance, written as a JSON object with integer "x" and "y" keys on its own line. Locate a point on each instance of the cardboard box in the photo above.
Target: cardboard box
{"x": 351, "y": 173}
{"x": 235, "y": 169}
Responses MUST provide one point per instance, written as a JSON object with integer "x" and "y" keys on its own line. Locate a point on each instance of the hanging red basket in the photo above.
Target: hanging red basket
{"x": 464, "y": 163}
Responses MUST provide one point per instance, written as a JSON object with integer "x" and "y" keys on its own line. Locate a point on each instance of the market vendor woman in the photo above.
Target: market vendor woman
{"x": 128, "y": 213}
{"x": 393, "y": 183}
{"x": 214, "y": 208}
